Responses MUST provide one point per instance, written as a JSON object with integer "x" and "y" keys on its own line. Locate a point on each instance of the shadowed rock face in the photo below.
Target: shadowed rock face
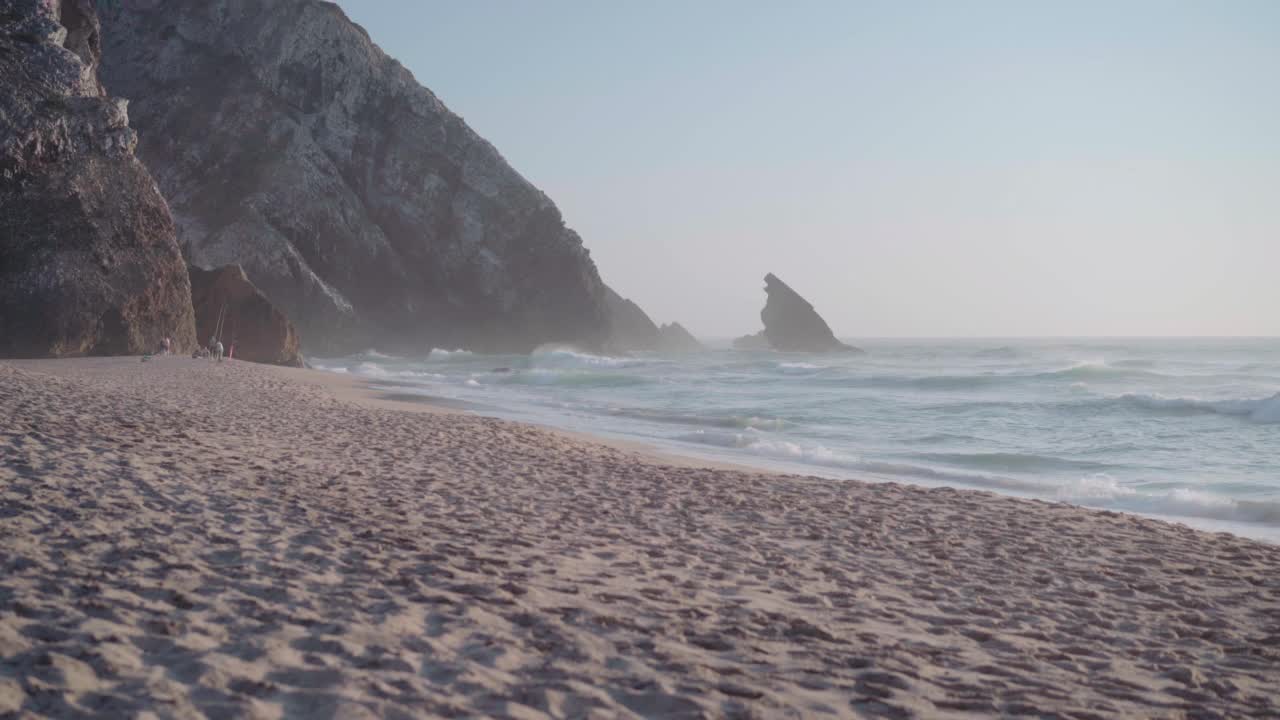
{"x": 790, "y": 324}
{"x": 289, "y": 143}
{"x": 672, "y": 337}
{"x": 632, "y": 329}
{"x": 89, "y": 264}
{"x": 259, "y": 332}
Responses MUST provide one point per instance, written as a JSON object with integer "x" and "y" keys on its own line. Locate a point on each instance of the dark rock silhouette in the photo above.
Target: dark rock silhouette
{"x": 259, "y": 332}
{"x": 790, "y": 324}
{"x": 756, "y": 341}
{"x": 631, "y": 328}
{"x": 89, "y": 264}
{"x": 286, "y": 141}
{"x": 672, "y": 337}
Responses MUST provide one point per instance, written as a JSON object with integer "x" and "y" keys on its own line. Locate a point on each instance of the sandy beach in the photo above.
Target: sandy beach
{"x": 184, "y": 539}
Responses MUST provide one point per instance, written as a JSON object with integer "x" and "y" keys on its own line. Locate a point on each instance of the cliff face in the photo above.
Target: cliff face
{"x": 229, "y": 306}
{"x": 88, "y": 258}
{"x": 287, "y": 142}
{"x": 790, "y": 324}
{"x": 631, "y": 328}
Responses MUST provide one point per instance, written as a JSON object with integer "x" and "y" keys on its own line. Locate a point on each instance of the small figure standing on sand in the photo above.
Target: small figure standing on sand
{"x": 217, "y": 350}
{"x": 165, "y": 346}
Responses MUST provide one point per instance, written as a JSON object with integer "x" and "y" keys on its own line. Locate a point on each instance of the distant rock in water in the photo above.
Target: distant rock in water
{"x": 790, "y": 324}
{"x": 259, "y": 331}
{"x": 752, "y": 342}
{"x": 672, "y": 337}
{"x": 89, "y": 264}
{"x": 631, "y": 328}
{"x": 288, "y": 142}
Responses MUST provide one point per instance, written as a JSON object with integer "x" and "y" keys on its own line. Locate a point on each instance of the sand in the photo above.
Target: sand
{"x": 185, "y": 539}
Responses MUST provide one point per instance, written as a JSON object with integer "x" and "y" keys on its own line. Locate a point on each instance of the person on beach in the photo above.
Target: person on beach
{"x": 217, "y": 350}
{"x": 165, "y": 346}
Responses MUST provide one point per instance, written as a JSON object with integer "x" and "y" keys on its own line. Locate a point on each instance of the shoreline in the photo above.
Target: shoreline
{"x": 182, "y": 537}
{"x": 373, "y": 390}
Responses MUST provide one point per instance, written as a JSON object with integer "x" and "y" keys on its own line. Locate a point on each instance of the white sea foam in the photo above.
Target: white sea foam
{"x": 565, "y": 358}
{"x": 442, "y": 354}
{"x": 1100, "y": 489}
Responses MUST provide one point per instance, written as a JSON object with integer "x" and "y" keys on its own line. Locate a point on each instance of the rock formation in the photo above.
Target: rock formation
{"x": 288, "y": 142}
{"x": 790, "y": 324}
{"x": 632, "y": 329}
{"x": 89, "y": 263}
{"x": 259, "y": 332}
{"x": 672, "y": 337}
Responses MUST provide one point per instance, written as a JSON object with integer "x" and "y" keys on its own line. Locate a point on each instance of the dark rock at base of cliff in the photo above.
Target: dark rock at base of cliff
{"x": 259, "y": 331}
{"x": 287, "y": 142}
{"x": 89, "y": 264}
{"x": 752, "y": 342}
{"x": 672, "y": 337}
{"x": 790, "y": 324}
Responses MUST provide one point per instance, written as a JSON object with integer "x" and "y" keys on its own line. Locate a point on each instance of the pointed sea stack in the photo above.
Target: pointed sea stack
{"x": 791, "y": 324}
{"x": 89, "y": 263}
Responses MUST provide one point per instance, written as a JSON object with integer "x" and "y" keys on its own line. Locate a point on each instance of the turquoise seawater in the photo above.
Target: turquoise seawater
{"x": 1183, "y": 429}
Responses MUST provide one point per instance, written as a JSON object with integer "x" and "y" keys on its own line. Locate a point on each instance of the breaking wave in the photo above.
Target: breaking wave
{"x": 1260, "y": 410}
{"x": 565, "y": 358}
{"x": 1104, "y": 491}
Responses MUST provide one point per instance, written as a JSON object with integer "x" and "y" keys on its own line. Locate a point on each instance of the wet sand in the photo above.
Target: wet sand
{"x": 180, "y": 538}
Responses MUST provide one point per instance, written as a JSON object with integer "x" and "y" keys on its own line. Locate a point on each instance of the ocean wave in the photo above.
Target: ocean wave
{"x": 571, "y": 378}
{"x": 1260, "y": 410}
{"x": 442, "y": 355}
{"x": 375, "y": 370}
{"x": 1103, "y": 490}
{"x": 1010, "y": 462}
{"x": 1098, "y": 371}
{"x": 742, "y": 422}
{"x": 799, "y": 366}
{"x": 1004, "y": 352}
{"x": 758, "y": 444}
{"x": 819, "y": 455}
{"x": 566, "y": 358}
{"x": 373, "y": 354}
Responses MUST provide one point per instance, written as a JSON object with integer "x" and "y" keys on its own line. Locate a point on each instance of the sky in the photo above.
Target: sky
{"x": 912, "y": 168}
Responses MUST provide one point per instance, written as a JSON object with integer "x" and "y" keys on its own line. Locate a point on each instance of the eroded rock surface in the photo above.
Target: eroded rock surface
{"x": 286, "y": 141}
{"x": 89, "y": 264}
{"x": 249, "y": 322}
{"x": 790, "y": 324}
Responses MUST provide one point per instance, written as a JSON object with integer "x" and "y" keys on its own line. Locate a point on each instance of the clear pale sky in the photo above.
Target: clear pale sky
{"x": 912, "y": 168}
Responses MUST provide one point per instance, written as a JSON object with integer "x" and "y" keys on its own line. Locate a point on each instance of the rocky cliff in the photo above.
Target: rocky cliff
{"x": 229, "y": 307}
{"x": 287, "y": 142}
{"x": 631, "y": 328}
{"x": 790, "y": 324}
{"x": 88, "y": 258}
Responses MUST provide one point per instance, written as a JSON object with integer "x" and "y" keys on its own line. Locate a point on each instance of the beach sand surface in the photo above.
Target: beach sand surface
{"x": 180, "y": 538}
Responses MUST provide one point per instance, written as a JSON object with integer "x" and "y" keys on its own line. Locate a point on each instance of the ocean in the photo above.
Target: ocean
{"x": 1181, "y": 429}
